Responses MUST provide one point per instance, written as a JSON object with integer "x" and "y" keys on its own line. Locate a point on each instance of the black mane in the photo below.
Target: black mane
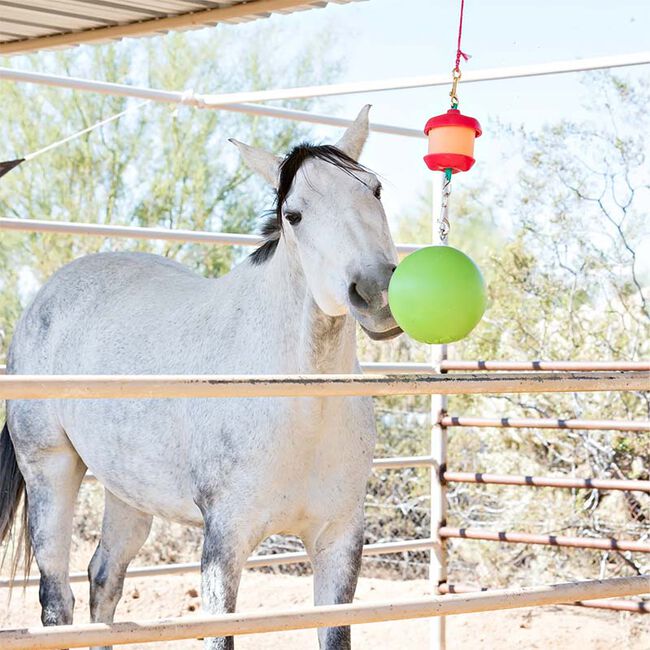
{"x": 293, "y": 161}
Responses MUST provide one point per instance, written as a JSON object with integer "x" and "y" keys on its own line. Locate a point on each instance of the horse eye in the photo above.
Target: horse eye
{"x": 378, "y": 192}
{"x": 293, "y": 218}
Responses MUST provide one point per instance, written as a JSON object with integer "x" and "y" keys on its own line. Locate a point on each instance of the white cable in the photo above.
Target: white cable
{"x": 53, "y": 145}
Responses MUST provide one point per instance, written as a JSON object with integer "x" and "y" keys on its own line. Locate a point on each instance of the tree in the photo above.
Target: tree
{"x": 560, "y": 248}
{"x": 156, "y": 166}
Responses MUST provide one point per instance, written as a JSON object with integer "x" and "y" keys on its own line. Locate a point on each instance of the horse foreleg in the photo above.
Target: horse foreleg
{"x": 222, "y": 562}
{"x": 52, "y": 481}
{"x": 336, "y": 559}
{"x": 124, "y": 531}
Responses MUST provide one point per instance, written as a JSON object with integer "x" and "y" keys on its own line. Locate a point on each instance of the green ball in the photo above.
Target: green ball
{"x": 437, "y": 295}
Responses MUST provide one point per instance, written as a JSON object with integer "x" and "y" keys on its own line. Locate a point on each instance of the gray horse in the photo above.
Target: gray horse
{"x": 241, "y": 468}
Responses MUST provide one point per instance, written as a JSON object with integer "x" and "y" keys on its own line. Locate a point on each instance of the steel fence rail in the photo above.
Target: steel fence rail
{"x": 403, "y": 462}
{"x": 294, "y": 115}
{"x": 136, "y": 232}
{"x": 254, "y": 562}
{"x": 128, "y": 232}
{"x": 597, "y": 543}
{"x": 429, "y": 81}
{"x": 395, "y": 368}
{"x": 575, "y": 366}
{"x": 225, "y": 100}
{"x": 615, "y": 604}
{"x": 481, "y": 478}
{"x": 97, "y": 634}
{"x": 400, "y": 462}
{"x": 410, "y": 368}
{"x": 166, "y": 386}
{"x": 545, "y": 423}
{"x": 196, "y": 100}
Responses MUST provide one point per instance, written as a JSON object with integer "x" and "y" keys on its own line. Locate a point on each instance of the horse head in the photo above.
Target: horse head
{"x": 328, "y": 210}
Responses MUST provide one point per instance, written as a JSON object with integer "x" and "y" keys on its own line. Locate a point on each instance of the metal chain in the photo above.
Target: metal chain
{"x": 443, "y": 222}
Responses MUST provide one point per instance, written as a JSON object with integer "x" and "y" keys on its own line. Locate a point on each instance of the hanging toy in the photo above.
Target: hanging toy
{"x": 451, "y": 141}
{"x": 437, "y": 294}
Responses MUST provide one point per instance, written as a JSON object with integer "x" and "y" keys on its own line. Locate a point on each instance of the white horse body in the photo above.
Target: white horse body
{"x": 242, "y": 468}
{"x": 134, "y": 313}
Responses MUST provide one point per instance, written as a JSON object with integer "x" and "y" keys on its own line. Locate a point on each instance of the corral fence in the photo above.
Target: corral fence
{"x": 218, "y": 386}
{"x": 437, "y": 378}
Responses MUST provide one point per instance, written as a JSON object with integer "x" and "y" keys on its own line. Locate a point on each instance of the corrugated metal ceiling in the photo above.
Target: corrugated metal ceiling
{"x": 29, "y": 25}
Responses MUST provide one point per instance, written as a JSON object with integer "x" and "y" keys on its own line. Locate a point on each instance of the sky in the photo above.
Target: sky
{"x": 381, "y": 39}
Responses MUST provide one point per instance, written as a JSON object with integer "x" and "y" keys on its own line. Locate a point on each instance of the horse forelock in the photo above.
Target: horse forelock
{"x": 289, "y": 167}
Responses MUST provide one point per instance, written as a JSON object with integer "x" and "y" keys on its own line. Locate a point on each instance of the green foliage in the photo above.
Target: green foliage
{"x": 156, "y": 166}
{"x": 560, "y": 249}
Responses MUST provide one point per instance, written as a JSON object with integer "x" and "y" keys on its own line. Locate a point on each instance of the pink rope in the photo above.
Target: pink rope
{"x": 459, "y": 52}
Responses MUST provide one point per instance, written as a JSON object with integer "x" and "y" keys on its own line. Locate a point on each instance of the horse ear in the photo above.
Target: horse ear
{"x": 356, "y": 135}
{"x": 266, "y": 164}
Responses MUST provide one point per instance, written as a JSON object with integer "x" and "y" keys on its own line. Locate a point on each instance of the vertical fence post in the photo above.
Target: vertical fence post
{"x": 438, "y": 559}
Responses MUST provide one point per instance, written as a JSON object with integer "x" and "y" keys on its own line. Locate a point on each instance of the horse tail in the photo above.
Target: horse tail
{"x": 12, "y": 491}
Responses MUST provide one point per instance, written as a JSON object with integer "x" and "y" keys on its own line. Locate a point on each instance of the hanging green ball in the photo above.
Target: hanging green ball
{"x": 437, "y": 295}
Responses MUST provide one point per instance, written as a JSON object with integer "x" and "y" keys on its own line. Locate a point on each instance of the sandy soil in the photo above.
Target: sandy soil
{"x": 551, "y": 627}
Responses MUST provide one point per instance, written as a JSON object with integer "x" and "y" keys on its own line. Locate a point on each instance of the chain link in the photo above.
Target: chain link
{"x": 443, "y": 222}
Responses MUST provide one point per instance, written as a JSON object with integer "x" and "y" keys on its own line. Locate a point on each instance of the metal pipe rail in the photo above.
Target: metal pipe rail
{"x": 597, "y": 543}
{"x": 400, "y": 462}
{"x": 395, "y": 368}
{"x": 98, "y": 634}
{"x": 128, "y": 232}
{"x": 403, "y": 462}
{"x": 166, "y": 386}
{"x": 401, "y": 83}
{"x": 545, "y": 423}
{"x": 575, "y": 366}
{"x": 254, "y": 562}
{"x": 429, "y": 81}
{"x": 615, "y": 604}
{"x": 480, "y": 478}
{"x": 409, "y": 368}
{"x": 137, "y": 232}
{"x": 197, "y": 100}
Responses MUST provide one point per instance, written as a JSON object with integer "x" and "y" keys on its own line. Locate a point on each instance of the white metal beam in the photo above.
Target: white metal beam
{"x": 197, "y": 100}
{"x": 221, "y": 100}
{"x": 76, "y": 636}
{"x": 428, "y": 81}
{"x": 254, "y": 562}
{"x": 232, "y": 386}
{"x": 137, "y": 232}
{"x": 241, "y": 102}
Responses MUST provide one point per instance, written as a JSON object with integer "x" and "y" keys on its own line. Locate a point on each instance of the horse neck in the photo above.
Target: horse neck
{"x": 310, "y": 340}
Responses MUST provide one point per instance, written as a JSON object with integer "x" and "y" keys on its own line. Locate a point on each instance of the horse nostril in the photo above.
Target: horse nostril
{"x": 392, "y": 269}
{"x": 356, "y": 297}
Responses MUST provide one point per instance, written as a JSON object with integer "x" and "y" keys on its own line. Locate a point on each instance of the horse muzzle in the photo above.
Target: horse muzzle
{"x": 380, "y": 326}
{"x": 368, "y": 296}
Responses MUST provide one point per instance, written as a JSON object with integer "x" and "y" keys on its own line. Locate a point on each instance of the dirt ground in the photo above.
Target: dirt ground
{"x": 549, "y": 627}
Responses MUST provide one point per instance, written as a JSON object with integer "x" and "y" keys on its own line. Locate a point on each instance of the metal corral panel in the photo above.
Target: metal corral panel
{"x": 29, "y": 25}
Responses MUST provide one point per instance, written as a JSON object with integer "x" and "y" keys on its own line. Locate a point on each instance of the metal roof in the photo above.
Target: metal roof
{"x": 29, "y": 25}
